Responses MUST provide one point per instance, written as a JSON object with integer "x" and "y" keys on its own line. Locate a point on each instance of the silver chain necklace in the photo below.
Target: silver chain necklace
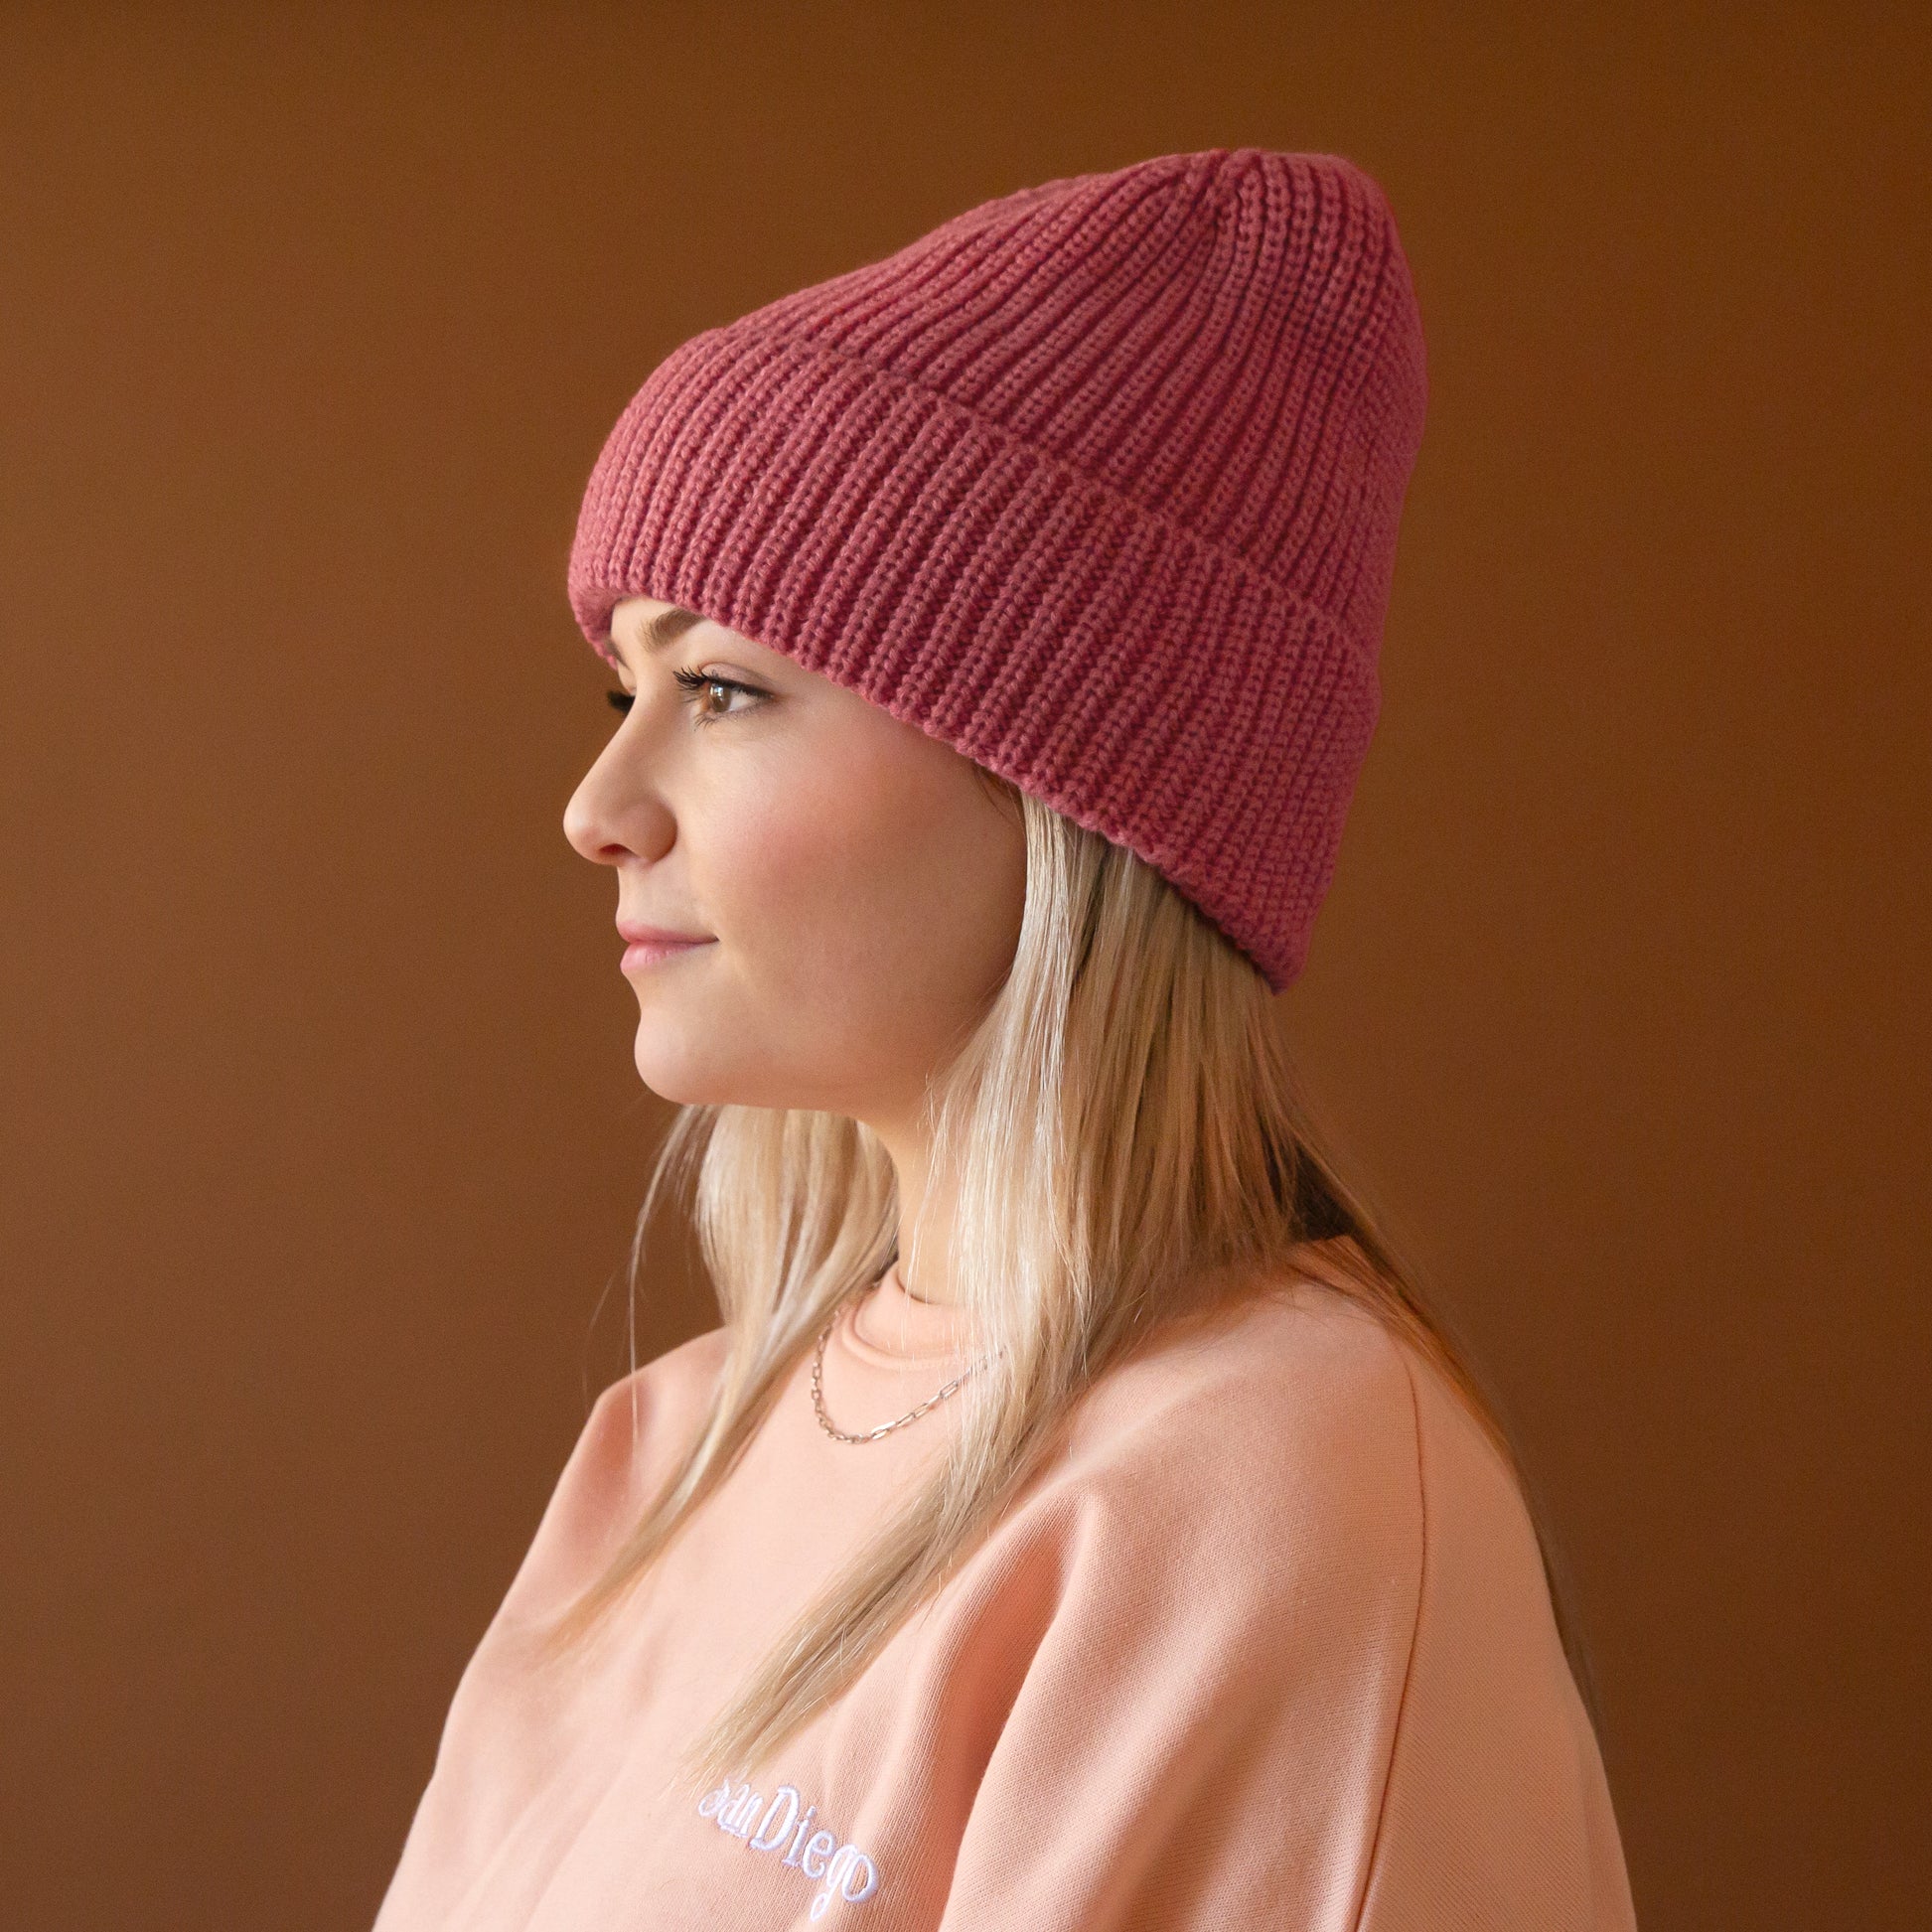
{"x": 885, "y": 1428}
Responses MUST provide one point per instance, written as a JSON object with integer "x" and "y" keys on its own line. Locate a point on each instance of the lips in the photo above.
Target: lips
{"x": 653, "y": 946}
{"x": 636, "y": 933}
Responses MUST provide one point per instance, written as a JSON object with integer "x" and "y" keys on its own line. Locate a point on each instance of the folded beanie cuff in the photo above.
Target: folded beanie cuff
{"x": 1144, "y": 680}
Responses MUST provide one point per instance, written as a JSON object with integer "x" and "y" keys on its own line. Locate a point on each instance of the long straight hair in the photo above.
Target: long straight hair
{"x": 1130, "y": 1149}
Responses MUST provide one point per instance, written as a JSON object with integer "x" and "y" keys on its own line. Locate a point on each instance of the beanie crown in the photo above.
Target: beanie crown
{"x": 1097, "y": 481}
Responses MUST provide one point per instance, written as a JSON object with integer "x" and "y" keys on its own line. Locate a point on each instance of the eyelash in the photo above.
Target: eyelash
{"x": 692, "y": 682}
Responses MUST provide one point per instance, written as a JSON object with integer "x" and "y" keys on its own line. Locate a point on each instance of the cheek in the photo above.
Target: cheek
{"x": 809, "y": 881}
{"x": 886, "y": 890}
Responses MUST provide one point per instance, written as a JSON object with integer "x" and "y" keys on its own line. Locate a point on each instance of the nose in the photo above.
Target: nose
{"x": 616, "y": 813}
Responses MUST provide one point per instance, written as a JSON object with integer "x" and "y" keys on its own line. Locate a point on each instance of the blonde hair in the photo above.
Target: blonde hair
{"x": 1131, "y": 1150}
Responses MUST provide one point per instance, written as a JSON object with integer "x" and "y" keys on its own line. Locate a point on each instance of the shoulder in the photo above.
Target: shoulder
{"x": 632, "y": 1438}
{"x": 641, "y": 1414}
{"x": 1300, "y": 1400}
{"x": 1307, "y": 1437}
{"x": 640, "y": 1424}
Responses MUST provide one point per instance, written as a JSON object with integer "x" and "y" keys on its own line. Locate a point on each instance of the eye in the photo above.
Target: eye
{"x": 692, "y": 684}
{"x": 701, "y": 684}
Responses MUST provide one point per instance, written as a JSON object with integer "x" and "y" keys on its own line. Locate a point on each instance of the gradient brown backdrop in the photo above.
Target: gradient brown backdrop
{"x": 323, "y": 1135}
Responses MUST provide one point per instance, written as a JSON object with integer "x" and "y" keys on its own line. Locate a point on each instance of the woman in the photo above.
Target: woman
{"x": 1077, "y": 1520}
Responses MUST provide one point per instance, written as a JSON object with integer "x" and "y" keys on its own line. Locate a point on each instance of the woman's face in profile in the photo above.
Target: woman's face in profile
{"x": 856, "y": 887}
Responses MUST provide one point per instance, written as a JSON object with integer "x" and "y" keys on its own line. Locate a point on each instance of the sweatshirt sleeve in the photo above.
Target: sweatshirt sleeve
{"x": 1300, "y": 1671}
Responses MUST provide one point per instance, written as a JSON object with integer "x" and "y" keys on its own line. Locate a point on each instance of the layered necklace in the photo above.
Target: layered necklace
{"x": 885, "y": 1428}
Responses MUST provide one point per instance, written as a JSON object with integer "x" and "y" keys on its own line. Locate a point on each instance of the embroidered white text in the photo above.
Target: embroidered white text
{"x": 845, "y": 1871}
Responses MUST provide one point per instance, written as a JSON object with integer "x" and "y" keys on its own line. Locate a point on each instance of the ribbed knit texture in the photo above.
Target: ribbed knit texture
{"x": 1097, "y": 481}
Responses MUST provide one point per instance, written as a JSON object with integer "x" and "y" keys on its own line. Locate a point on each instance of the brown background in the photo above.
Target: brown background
{"x": 321, "y": 1131}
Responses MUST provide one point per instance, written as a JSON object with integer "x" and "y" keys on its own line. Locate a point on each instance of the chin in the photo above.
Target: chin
{"x": 686, "y": 1069}
{"x": 675, "y": 1075}
{"x": 674, "y": 1062}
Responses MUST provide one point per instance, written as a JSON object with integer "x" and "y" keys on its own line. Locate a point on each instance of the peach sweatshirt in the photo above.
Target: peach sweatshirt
{"x": 1268, "y": 1645}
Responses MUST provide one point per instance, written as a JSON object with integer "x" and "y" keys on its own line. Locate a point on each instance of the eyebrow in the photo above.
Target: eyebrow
{"x": 666, "y": 627}
{"x": 663, "y": 631}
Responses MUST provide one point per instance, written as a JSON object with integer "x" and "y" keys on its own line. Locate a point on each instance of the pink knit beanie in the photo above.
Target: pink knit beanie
{"x": 1098, "y": 483}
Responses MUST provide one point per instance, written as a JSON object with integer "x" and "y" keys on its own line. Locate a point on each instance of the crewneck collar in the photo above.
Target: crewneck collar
{"x": 890, "y": 1328}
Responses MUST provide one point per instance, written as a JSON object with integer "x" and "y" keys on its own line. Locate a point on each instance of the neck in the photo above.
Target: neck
{"x": 909, "y": 1293}
{"x": 925, "y": 1216}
